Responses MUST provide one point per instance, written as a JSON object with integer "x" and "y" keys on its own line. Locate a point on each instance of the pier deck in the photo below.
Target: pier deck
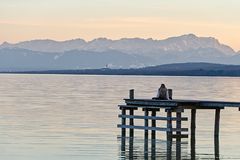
{"x": 176, "y": 105}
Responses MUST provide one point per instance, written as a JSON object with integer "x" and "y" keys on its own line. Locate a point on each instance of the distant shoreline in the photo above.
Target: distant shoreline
{"x": 53, "y": 73}
{"x": 177, "y": 69}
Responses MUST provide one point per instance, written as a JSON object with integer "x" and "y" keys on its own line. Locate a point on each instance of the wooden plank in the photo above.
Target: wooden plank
{"x": 175, "y": 102}
{"x": 153, "y": 128}
{"x": 150, "y": 109}
{"x": 174, "y": 109}
{"x": 142, "y": 106}
{"x": 180, "y": 136}
{"x": 163, "y": 103}
{"x": 127, "y": 107}
{"x": 219, "y": 104}
{"x": 152, "y": 118}
{"x": 201, "y": 107}
{"x": 207, "y": 103}
{"x": 135, "y": 107}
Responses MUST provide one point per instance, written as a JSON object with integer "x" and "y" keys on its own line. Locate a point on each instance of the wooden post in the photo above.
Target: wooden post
{"x": 169, "y": 135}
{"x": 169, "y": 125}
{"x": 170, "y": 93}
{"x": 146, "y": 134}
{"x": 123, "y": 146}
{"x": 178, "y": 148}
{"x": 193, "y": 147}
{"x": 153, "y": 125}
{"x": 131, "y": 152}
{"x": 216, "y": 147}
{"x": 169, "y": 150}
{"x": 146, "y": 124}
{"x": 217, "y": 122}
{"x": 153, "y": 149}
{"x": 153, "y": 146}
{"x": 193, "y": 121}
{"x": 178, "y": 133}
{"x": 193, "y": 134}
{"x": 131, "y": 113}
{"x": 131, "y": 123}
{"x": 131, "y": 94}
{"x": 123, "y": 122}
{"x": 179, "y": 122}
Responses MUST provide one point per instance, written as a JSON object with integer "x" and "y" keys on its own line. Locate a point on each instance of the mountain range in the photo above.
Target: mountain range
{"x": 122, "y": 53}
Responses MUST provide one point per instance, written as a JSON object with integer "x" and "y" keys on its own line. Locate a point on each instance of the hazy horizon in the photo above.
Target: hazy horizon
{"x": 61, "y": 20}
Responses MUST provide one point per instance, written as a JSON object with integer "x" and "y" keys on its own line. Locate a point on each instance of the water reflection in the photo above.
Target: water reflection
{"x": 137, "y": 148}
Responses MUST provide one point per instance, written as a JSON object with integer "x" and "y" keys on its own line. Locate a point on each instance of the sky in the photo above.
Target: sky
{"x": 89, "y": 19}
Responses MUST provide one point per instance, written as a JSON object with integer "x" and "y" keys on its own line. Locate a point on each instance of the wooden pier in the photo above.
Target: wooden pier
{"x": 173, "y": 110}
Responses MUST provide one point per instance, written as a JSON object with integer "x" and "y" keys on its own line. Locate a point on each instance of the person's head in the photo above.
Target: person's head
{"x": 163, "y": 86}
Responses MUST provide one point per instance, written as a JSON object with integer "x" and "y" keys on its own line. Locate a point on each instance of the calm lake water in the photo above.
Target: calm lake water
{"x": 73, "y": 117}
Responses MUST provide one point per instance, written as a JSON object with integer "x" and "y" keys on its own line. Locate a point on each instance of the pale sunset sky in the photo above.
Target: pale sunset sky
{"x": 88, "y": 19}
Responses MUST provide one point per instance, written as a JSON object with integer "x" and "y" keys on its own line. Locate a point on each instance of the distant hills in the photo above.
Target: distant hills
{"x": 177, "y": 69}
{"x": 123, "y": 53}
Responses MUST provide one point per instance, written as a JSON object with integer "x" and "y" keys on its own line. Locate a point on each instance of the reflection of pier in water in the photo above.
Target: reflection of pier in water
{"x": 133, "y": 148}
{"x": 174, "y": 135}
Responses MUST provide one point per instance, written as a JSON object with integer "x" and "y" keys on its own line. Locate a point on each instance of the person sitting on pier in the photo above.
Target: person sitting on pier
{"x": 163, "y": 93}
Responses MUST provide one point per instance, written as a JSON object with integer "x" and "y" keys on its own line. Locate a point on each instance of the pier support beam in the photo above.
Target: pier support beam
{"x": 193, "y": 122}
{"x": 193, "y": 133}
{"x": 154, "y": 111}
{"x": 169, "y": 125}
{"x": 146, "y": 124}
{"x": 217, "y": 122}
{"x": 178, "y": 133}
{"x": 131, "y": 113}
{"x": 153, "y": 125}
{"x": 123, "y": 122}
{"x": 146, "y": 111}
{"x": 131, "y": 123}
{"x": 169, "y": 134}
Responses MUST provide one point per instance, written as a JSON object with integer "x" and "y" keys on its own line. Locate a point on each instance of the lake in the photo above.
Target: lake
{"x": 72, "y": 117}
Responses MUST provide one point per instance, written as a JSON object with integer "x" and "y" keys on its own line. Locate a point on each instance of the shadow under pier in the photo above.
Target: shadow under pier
{"x": 138, "y": 148}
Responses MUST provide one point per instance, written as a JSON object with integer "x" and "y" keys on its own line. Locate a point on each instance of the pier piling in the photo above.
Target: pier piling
{"x": 153, "y": 125}
{"x": 169, "y": 125}
{"x": 217, "y": 122}
{"x": 123, "y": 122}
{"x": 193, "y": 121}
